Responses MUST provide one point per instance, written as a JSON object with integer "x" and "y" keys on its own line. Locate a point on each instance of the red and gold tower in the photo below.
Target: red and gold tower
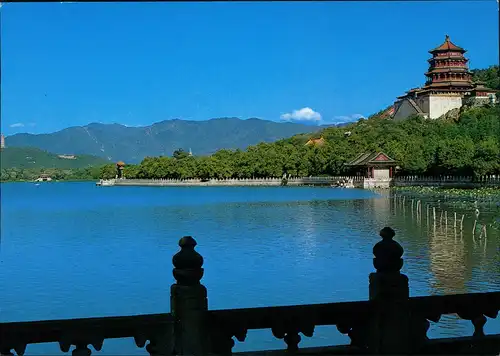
{"x": 449, "y": 86}
{"x": 448, "y": 69}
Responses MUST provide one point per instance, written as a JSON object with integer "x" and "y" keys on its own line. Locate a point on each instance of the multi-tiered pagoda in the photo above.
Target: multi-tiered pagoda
{"x": 449, "y": 85}
{"x": 448, "y": 69}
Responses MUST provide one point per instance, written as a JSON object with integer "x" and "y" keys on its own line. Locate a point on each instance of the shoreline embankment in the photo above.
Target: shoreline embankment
{"x": 261, "y": 182}
{"x": 342, "y": 181}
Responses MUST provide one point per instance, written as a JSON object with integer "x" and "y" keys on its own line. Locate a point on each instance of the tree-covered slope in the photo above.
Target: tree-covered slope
{"x": 34, "y": 158}
{"x": 131, "y": 144}
{"x": 467, "y": 145}
{"x": 491, "y": 76}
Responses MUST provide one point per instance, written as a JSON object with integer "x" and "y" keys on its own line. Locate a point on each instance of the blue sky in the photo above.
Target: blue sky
{"x": 138, "y": 63}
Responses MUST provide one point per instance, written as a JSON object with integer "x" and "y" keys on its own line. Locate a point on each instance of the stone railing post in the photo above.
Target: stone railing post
{"x": 188, "y": 301}
{"x": 390, "y": 293}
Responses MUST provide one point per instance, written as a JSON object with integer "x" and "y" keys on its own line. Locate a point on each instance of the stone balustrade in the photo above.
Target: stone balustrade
{"x": 389, "y": 322}
{"x": 272, "y": 181}
{"x": 351, "y": 181}
{"x": 265, "y": 179}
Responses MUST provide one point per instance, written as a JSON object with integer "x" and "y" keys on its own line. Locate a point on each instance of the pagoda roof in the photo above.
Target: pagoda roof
{"x": 448, "y": 46}
{"x": 449, "y": 69}
{"x": 448, "y": 56}
{"x": 480, "y": 86}
{"x": 371, "y": 159}
{"x": 464, "y": 83}
{"x": 414, "y": 90}
{"x": 458, "y": 86}
{"x": 444, "y": 91}
{"x": 410, "y": 92}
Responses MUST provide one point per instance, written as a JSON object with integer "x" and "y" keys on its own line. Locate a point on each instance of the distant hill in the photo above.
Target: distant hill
{"x": 30, "y": 157}
{"x": 131, "y": 144}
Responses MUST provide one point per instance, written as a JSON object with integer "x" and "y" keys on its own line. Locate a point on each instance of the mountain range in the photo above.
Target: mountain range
{"x": 115, "y": 142}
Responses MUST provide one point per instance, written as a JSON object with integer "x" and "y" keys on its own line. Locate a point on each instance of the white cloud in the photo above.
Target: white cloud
{"x": 19, "y": 124}
{"x": 304, "y": 114}
{"x": 348, "y": 118}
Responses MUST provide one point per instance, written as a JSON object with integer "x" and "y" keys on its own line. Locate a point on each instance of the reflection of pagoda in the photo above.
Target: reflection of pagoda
{"x": 449, "y": 262}
{"x": 449, "y": 84}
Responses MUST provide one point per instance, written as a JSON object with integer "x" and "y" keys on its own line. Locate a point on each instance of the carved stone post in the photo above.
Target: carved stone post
{"x": 188, "y": 301}
{"x": 390, "y": 293}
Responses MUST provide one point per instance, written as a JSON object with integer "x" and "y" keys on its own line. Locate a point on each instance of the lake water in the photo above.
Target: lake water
{"x": 73, "y": 250}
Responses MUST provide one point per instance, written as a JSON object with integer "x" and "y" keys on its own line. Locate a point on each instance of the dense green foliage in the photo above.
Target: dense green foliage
{"x": 116, "y": 142}
{"x": 131, "y": 144}
{"x": 490, "y": 76}
{"x": 34, "y": 158}
{"x": 30, "y": 174}
{"x": 469, "y": 145}
{"x": 27, "y": 163}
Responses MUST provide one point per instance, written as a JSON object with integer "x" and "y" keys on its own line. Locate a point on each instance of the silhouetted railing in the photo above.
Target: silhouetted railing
{"x": 390, "y": 322}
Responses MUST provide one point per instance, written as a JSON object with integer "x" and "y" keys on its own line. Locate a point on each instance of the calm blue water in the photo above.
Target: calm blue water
{"x": 75, "y": 250}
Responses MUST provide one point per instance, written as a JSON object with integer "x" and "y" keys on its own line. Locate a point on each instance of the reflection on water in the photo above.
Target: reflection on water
{"x": 307, "y": 235}
{"x": 459, "y": 261}
{"x": 64, "y": 245}
{"x": 448, "y": 259}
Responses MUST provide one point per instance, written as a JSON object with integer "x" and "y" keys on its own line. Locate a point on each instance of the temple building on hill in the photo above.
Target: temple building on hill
{"x": 449, "y": 86}
{"x": 315, "y": 142}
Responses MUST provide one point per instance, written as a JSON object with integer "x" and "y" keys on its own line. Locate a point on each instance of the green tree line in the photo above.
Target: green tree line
{"x": 467, "y": 145}
{"x": 491, "y": 76}
{"x": 30, "y": 174}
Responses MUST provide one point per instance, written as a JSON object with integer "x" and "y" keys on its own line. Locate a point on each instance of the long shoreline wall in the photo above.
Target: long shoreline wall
{"x": 264, "y": 182}
{"x": 351, "y": 182}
